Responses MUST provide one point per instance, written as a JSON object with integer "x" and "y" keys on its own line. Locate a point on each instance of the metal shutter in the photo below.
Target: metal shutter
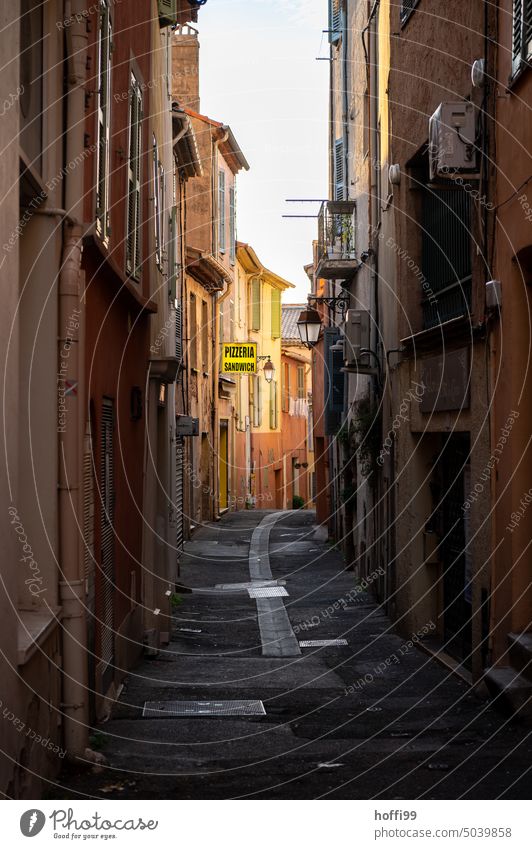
{"x": 407, "y": 7}
{"x": 522, "y": 33}
{"x": 179, "y": 330}
{"x": 107, "y": 497}
{"x": 179, "y": 487}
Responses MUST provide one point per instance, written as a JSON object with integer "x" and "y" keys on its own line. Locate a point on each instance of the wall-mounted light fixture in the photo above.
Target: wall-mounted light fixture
{"x": 269, "y": 368}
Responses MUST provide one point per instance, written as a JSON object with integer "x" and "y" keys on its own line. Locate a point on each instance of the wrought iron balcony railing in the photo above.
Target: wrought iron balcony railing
{"x": 336, "y": 240}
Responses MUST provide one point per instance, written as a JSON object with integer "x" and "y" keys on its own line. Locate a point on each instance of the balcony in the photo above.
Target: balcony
{"x": 336, "y": 240}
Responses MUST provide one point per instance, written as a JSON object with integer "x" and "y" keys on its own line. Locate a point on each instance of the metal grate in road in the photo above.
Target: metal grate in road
{"x": 246, "y": 585}
{"x": 243, "y": 707}
{"x": 306, "y": 644}
{"x": 267, "y": 592}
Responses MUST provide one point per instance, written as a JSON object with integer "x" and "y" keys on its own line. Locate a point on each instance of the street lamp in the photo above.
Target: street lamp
{"x": 269, "y": 370}
{"x": 309, "y": 326}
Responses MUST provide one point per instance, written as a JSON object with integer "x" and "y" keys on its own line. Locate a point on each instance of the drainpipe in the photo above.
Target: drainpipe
{"x": 215, "y": 331}
{"x": 71, "y": 585}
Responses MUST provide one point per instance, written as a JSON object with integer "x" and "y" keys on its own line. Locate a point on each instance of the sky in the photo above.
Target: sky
{"x": 259, "y": 74}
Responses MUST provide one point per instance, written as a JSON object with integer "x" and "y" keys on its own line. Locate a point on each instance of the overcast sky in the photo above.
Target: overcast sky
{"x": 258, "y": 73}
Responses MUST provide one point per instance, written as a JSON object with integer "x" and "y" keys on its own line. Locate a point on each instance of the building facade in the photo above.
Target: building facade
{"x": 296, "y": 413}
{"x": 87, "y": 238}
{"x": 412, "y": 254}
{"x": 264, "y": 291}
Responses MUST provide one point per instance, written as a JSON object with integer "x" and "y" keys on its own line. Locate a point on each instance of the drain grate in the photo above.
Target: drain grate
{"x": 247, "y": 585}
{"x": 244, "y": 707}
{"x": 266, "y": 592}
{"x": 307, "y": 644}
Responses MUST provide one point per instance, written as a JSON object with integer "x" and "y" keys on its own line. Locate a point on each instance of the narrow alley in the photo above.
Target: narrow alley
{"x": 279, "y": 717}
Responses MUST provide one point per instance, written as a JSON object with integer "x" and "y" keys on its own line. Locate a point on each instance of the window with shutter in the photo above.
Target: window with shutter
{"x": 192, "y": 333}
{"x": 335, "y": 20}
{"x": 133, "y": 236}
{"x": 300, "y": 381}
{"x": 333, "y": 382}
{"x": 285, "y": 388}
{"x": 167, "y": 13}
{"x": 276, "y": 314}
{"x": 179, "y": 330}
{"x": 273, "y": 405}
{"x": 172, "y": 255}
{"x": 232, "y": 224}
{"x": 339, "y": 176}
{"x": 107, "y": 535}
{"x": 522, "y": 33}
{"x": 407, "y": 7}
{"x": 255, "y": 304}
{"x": 157, "y": 203}
{"x": 221, "y": 211}
{"x": 256, "y": 396}
{"x": 104, "y": 113}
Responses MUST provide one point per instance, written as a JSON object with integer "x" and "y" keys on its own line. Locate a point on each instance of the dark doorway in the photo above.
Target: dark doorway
{"x": 457, "y": 575}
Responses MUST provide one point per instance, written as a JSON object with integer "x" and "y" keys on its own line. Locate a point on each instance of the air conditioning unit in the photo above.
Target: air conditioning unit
{"x": 356, "y": 339}
{"x": 452, "y": 137}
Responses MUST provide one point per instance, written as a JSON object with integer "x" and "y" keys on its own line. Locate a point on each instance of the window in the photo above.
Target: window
{"x": 301, "y": 381}
{"x": 333, "y": 382}
{"x": 205, "y": 335}
{"x": 274, "y": 415}
{"x": 285, "y": 388}
{"x": 192, "y": 333}
{"x": 407, "y": 7}
{"x": 221, "y": 211}
{"x": 172, "y": 256}
{"x": 446, "y": 255}
{"x": 232, "y": 224}
{"x": 158, "y": 204}
{"x": 522, "y": 34}
{"x": 276, "y": 314}
{"x": 335, "y": 21}
{"x": 256, "y": 396}
{"x": 133, "y": 251}
{"x": 255, "y": 304}
{"x": 339, "y": 181}
{"x": 104, "y": 112}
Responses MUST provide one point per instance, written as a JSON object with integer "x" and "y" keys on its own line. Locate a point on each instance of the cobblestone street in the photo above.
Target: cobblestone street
{"x": 373, "y": 718}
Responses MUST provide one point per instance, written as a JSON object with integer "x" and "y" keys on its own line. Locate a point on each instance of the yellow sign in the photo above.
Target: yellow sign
{"x": 239, "y": 358}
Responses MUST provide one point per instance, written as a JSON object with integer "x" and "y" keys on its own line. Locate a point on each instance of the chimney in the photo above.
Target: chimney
{"x": 185, "y": 67}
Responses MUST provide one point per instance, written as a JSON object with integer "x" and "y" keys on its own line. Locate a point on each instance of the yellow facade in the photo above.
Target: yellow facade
{"x": 260, "y": 309}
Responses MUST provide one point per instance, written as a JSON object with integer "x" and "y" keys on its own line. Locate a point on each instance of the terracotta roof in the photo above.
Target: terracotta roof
{"x": 290, "y": 315}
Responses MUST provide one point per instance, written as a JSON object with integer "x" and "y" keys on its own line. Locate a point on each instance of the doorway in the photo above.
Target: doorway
{"x": 456, "y": 559}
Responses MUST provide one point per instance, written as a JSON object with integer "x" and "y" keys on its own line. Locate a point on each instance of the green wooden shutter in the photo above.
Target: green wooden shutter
{"x": 255, "y": 304}
{"x": 167, "y": 12}
{"x": 276, "y": 314}
{"x": 333, "y": 382}
{"x": 273, "y": 405}
{"x": 300, "y": 381}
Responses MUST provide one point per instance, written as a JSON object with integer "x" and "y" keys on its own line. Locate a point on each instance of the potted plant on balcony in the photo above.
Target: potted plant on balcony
{"x": 334, "y": 237}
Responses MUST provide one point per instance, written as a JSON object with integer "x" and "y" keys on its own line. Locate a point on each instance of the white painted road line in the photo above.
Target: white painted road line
{"x": 276, "y": 634}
